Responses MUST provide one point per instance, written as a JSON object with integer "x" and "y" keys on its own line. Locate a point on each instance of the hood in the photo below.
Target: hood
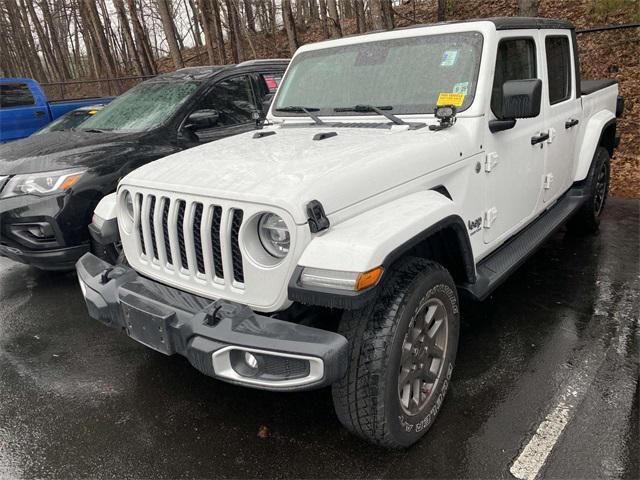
{"x": 289, "y": 168}
{"x": 65, "y": 149}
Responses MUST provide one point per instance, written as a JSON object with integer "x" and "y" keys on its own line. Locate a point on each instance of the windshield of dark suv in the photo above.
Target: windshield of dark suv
{"x": 144, "y": 107}
{"x": 404, "y": 75}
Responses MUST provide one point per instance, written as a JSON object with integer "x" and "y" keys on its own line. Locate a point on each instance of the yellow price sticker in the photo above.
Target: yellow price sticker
{"x": 455, "y": 99}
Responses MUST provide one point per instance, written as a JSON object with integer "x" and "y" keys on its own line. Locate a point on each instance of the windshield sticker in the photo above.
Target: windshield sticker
{"x": 461, "y": 87}
{"x": 449, "y": 58}
{"x": 455, "y": 99}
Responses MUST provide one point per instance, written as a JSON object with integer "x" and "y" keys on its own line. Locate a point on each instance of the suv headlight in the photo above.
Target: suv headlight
{"x": 274, "y": 235}
{"x": 41, "y": 184}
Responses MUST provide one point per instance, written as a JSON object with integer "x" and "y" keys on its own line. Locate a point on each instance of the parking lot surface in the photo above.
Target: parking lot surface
{"x": 546, "y": 383}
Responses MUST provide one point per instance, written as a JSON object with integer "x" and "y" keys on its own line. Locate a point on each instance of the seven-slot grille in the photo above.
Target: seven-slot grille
{"x": 189, "y": 236}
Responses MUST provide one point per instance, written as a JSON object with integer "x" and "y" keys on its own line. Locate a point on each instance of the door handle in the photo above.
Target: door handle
{"x": 38, "y": 113}
{"x": 539, "y": 138}
{"x": 571, "y": 123}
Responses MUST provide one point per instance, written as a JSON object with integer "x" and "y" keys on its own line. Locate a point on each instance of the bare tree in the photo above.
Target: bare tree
{"x": 528, "y": 8}
{"x": 442, "y": 10}
{"x": 164, "y": 9}
{"x": 361, "y": 22}
{"x": 128, "y": 37}
{"x": 334, "y": 19}
{"x": 289, "y": 26}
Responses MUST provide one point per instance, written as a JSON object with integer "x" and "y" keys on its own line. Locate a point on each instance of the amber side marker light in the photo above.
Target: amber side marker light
{"x": 369, "y": 279}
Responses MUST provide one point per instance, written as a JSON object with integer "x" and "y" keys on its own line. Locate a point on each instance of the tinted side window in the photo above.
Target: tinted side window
{"x": 15, "y": 95}
{"x": 559, "y": 68}
{"x": 233, "y": 99}
{"x": 516, "y": 60}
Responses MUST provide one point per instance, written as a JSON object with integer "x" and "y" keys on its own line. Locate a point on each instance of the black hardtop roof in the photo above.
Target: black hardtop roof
{"x": 501, "y": 23}
{"x": 505, "y": 23}
{"x": 208, "y": 71}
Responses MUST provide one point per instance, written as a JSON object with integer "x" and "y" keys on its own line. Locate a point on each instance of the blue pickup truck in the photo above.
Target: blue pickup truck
{"x": 24, "y": 107}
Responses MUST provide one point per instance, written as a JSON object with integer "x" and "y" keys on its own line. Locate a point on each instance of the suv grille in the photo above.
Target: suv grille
{"x": 188, "y": 236}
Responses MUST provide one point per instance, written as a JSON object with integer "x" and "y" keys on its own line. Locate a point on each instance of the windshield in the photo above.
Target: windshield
{"x": 144, "y": 107}
{"x": 405, "y": 74}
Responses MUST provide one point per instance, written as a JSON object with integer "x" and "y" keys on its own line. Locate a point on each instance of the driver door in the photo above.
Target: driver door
{"x": 235, "y": 103}
{"x": 514, "y": 165}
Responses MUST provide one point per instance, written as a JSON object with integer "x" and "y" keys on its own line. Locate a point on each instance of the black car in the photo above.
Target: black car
{"x": 51, "y": 183}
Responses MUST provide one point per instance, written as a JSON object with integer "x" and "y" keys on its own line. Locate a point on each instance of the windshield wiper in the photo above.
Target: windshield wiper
{"x": 370, "y": 108}
{"x": 308, "y": 110}
{"x": 91, "y": 130}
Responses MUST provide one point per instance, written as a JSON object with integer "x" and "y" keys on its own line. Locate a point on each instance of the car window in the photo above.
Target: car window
{"x": 67, "y": 121}
{"x": 559, "y": 68}
{"x": 516, "y": 60}
{"x": 232, "y": 99}
{"x": 15, "y": 95}
{"x": 272, "y": 81}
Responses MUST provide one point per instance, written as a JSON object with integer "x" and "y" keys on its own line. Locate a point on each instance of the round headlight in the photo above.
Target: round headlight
{"x": 128, "y": 205}
{"x": 274, "y": 235}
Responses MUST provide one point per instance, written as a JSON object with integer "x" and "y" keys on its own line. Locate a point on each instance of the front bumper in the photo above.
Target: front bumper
{"x": 61, "y": 259}
{"x": 53, "y": 250}
{"x": 214, "y": 336}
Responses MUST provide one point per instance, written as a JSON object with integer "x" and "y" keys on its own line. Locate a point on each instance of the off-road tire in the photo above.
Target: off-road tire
{"x": 367, "y": 399}
{"x": 587, "y": 218}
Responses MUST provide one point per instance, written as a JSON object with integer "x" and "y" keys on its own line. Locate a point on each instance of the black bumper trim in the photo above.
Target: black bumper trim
{"x": 54, "y": 260}
{"x": 174, "y": 322}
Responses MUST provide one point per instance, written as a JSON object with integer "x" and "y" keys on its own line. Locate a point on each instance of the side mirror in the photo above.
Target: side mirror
{"x": 520, "y": 99}
{"x": 201, "y": 119}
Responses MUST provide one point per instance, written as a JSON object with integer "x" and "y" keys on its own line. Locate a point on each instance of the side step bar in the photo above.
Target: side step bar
{"x": 495, "y": 269}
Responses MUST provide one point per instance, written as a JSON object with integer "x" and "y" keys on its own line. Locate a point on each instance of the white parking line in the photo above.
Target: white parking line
{"x": 535, "y": 453}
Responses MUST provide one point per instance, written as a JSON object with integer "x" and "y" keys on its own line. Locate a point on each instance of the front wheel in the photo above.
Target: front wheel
{"x": 402, "y": 353}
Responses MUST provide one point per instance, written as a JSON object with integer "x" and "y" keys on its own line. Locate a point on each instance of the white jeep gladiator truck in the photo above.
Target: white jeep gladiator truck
{"x": 395, "y": 171}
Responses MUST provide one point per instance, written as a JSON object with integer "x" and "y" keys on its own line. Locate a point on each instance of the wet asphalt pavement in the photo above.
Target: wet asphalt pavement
{"x": 561, "y": 337}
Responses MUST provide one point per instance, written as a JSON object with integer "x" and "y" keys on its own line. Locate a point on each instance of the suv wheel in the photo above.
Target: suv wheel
{"x": 402, "y": 352}
{"x": 587, "y": 218}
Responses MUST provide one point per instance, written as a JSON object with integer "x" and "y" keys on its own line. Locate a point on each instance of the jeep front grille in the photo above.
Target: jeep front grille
{"x": 188, "y": 236}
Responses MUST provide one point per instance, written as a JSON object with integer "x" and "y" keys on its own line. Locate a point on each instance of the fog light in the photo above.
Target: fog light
{"x": 251, "y": 360}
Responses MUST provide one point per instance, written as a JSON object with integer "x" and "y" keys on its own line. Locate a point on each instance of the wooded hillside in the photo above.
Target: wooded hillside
{"x": 62, "y": 40}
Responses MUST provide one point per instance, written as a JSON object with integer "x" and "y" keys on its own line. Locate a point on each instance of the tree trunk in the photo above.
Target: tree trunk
{"x": 361, "y": 22}
{"x": 195, "y": 22}
{"x": 217, "y": 30}
{"x": 323, "y": 18}
{"x": 334, "y": 19}
{"x": 233, "y": 27}
{"x": 44, "y": 43}
{"x": 387, "y": 14}
{"x": 313, "y": 10}
{"x": 54, "y": 37}
{"x": 528, "y": 8}
{"x": 128, "y": 37}
{"x": 207, "y": 27}
{"x": 442, "y": 10}
{"x": 249, "y": 16}
{"x": 289, "y": 26}
{"x": 142, "y": 40}
{"x": 97, "y": 33}
{"x": 164, "y": 9}
{"x": 376, "y": 15}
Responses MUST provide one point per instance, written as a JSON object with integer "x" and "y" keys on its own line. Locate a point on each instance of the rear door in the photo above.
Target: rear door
{"x": 20, "y": 114}
{"x": 563, "y": 112}
{"x": 514, "y": 167}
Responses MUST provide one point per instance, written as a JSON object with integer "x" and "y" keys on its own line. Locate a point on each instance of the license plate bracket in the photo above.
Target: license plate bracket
{"x": 149, "y": 328}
